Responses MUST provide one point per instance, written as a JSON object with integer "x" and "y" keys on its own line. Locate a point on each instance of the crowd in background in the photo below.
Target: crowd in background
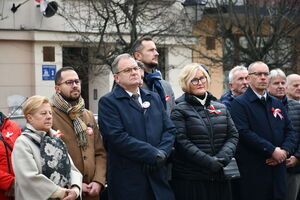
{"x": 148, "y": 146}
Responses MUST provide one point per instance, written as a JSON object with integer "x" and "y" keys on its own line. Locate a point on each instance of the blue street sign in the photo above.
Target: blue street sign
{"x": 48, "y": 72}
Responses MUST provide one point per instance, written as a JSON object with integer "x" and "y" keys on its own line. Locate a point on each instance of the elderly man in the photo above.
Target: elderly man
{"x": 138, "y": 135}
{"x": 238, "y": 84}
{"x": 277, "y": 88}
{"x": 80, "y": 132}
{"x": 144, "y": 50}
{"x": 266, "y": 139}
{"x": 293, "y": 87}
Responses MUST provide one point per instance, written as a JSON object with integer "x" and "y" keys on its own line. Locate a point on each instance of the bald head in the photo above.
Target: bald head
{"x": 258, "y": 76}
{"x": 293, "y": 86}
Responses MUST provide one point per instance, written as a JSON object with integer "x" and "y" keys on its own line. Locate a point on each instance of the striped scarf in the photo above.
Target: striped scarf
{"x": 74, "y": 113}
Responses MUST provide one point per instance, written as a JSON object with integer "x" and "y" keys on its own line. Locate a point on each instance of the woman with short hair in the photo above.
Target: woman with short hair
{"x": 43, "y": 168}
{"x": 206, "y": 140}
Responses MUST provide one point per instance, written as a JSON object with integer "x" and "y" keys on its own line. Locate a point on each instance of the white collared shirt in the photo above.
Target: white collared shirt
{"x": 259, "y": 96}
{"x": 138, "y": 92}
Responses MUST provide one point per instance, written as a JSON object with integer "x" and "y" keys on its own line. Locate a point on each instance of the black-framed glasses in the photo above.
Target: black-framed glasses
{"x": 259, "y": 74}
{"x": 71, "y": 82}
{"x": 129, "y": 70}
{"x": 202, "y": 79}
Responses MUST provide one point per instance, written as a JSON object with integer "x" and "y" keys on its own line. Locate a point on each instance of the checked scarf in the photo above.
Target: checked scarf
{"x": 153, "y": 82}
{"x": 73, "y": 112}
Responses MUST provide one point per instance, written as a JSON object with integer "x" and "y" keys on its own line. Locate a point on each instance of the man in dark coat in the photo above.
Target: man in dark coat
{"x": 138, "y": 136}
{"x": 266, "y": 139}
{"x": 145, "y": 51}
{"x": 238, "y": 84}
{"x": 277, "y": 88}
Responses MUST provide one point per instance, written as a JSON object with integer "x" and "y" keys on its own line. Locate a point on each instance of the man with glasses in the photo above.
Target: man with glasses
{"x": 144, "y": 50}
{"x": 238, "y": 84}
{"x": 266, "y": 138}
{"x": 137, "y": 134}
{"x": 79, "y": 131}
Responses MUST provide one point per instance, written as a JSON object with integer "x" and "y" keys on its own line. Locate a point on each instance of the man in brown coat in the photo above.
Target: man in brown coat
{"x": 80, "y": 132}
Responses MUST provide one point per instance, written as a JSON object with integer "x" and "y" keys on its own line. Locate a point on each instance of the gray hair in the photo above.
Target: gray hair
{"x": 233, "y": 70}
{"x": 116, "y": 61}
{"x": 275, "y": 73}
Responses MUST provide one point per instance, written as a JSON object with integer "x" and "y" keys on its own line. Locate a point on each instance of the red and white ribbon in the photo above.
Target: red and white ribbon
{"x": 277, "y": 112}
{"x": 168, "y": 98}
{"x": 213, "y": 110}
{"x": 57, "y": 134}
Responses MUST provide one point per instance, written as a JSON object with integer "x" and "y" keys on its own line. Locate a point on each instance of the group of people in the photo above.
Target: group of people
{"x": 61, "y": 154}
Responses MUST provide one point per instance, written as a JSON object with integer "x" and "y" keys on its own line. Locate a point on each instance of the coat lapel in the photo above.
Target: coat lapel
{"x": 120, "y": 93}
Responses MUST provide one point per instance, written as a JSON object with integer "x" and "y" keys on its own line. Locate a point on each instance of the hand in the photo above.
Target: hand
{"x": 70, "y": 195}
{"x": 161, "y": 158}
{"x": 271, "y": 161}
{"x": 279, "y": 155}
{"x": 215, "y": 165}
{"x": 95, "y": 188}
{"x": 85, "y": 189}
{"x": 221, "y": 160}
{"x": 292, "y": 161}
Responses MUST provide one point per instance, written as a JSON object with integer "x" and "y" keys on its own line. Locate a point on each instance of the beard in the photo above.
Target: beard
{"x": 151, "y": 65}
{"x": 70, "y": 99}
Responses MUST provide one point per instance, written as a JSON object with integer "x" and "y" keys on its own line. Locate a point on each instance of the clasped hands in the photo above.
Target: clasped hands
{"x": 278, "y": 156}
{"x": 161, "y": 159}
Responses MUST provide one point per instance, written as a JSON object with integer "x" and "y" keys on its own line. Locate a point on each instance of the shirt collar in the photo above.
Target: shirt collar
{"x": 259, "y": 96}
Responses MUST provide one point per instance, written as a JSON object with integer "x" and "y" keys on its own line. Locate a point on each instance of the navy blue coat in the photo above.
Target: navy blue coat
{"x": 260, "y": 133}
{"x": 226, "y": 99}
{"x": 133, "y": 136}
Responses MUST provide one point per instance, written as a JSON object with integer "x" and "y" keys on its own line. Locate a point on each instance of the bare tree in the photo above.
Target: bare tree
{"x": 250, "y": 30}
{"x": 109, "y": 27}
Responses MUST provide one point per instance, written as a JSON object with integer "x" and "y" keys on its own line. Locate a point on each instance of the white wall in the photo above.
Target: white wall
{"x": 178, "y": 57}
{"x": 16, "y": 70}
{"x": 103, "y": 84}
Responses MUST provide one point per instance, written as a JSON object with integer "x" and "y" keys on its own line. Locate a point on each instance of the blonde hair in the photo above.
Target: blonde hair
{"x": 33, "y": 103}
{"x": 188, "y": 72}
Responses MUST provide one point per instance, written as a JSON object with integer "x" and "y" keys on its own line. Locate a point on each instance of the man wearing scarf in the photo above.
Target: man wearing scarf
{"x": 79, "y": 132}
{"x": 144, "y": 50}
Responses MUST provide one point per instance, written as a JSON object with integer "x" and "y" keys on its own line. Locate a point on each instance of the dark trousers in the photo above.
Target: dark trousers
{"x": 195, "y": 190}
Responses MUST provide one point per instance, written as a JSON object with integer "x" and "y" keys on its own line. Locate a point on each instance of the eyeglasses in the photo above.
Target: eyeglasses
{"x": 71, "y": 82}
{"x": 259, "y": 74}
{"x": 129, "y": 70}
{"x": 195, "y": 81}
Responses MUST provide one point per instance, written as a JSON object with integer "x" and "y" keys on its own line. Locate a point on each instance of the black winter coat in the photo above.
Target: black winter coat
{"x": 293, "y": 108}
{"x": 202, "y": 132}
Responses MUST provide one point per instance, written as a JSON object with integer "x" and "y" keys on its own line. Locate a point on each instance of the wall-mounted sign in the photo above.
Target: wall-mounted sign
{"x": 48, "y": 72}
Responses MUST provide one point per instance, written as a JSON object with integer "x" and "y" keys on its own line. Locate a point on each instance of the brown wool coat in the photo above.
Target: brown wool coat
{"x": 91, "y": 162}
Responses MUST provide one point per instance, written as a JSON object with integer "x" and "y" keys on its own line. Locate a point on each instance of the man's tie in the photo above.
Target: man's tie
{"x": 135, "y": 98}
{"x": 263, "y": 100}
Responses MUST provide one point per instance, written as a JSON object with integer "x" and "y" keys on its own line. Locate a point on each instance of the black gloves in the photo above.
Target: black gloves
{"x": 161, "y": 159}
{"x": 216, "y": 164}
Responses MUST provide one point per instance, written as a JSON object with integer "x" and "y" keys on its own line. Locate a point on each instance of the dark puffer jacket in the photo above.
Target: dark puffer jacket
{"x": 293, "y": 108}
{"x": 200, "y": 137}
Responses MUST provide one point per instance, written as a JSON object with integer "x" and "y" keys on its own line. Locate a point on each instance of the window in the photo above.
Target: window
{"x": 49, "y": 54}
{"x": 210, "y": 43}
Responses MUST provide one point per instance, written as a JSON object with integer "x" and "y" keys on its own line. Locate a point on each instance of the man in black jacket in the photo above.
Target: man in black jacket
{"x": 277, "y": 88}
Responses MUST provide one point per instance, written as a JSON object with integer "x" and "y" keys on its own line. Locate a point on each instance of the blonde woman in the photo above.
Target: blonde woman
{"x": 43, "y": 168}
{"x": 206, "y": 140}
